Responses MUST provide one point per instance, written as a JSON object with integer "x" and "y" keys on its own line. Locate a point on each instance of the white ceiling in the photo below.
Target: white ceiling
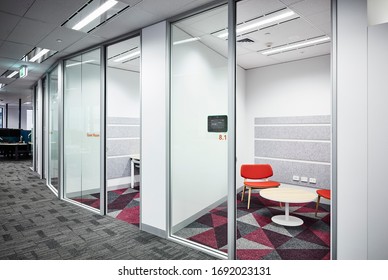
{"x": 312, "y": 20}
{"x": 26, "y": 24}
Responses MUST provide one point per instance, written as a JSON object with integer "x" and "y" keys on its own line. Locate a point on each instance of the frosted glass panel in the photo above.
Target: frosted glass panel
{"x": 199, "y": 157}
{"x": 82, "y": 129}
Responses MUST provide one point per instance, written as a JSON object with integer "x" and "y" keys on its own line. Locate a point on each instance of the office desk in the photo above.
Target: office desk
{"x": 287, "y": 196}
{"x": 135, "y": 159}
{"x": 13, "y": 149}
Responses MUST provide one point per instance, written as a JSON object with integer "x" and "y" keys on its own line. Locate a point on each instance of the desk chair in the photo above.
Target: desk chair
{"x": 322, "y": 193}
{"x": 256, "y": 172}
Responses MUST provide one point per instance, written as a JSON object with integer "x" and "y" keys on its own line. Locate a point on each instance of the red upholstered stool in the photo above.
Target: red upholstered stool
{"x": 322, "y": 193}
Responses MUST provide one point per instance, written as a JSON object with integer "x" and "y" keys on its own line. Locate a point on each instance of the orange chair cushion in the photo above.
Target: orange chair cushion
{"x": 256, "y": 171}
{"x": 324, "y": 193}
{"x": 262, "y": 185}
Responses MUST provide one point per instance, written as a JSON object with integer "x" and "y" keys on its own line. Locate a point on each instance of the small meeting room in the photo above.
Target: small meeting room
{"x": 283, "y": 130}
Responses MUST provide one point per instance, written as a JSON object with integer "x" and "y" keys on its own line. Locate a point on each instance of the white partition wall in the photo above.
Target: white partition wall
{"x": 154, "y": 129}
{"x": 352, "y": 100}
{"x": 377, "y": 142}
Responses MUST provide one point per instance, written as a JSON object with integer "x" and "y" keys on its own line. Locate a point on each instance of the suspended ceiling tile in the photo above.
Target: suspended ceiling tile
{"x": 6, "y": 63}
{"x": 16, "y": 7}
{"x": 322, "y": 20}
{"x": 30, "y": 31}
{"x": 290, "y": 2}
{"x": 163, "y": 9}
{"x": 289, "y": 32}
{"x": 54, "y": 11}
{"x": 211, "y": 23}
{"x": 130, "y": 20}
{"x": 247, "y": 10}
{"x": 303, "y": 53}
{"x": 67, "y": 37}
{"x": 14, "y": 50}
{"x": 84, "y": 43}
{"x": 7, "y": 23}
{"x": 310, "y": 7}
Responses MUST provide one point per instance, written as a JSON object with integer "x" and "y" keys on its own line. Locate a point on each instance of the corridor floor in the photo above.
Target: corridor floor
{"x": 36, "y": 225}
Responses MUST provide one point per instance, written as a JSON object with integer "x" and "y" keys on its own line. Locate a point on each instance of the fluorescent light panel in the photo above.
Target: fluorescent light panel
{"x": 79, "y": 63}
{"x": 186, "y": 41}
{"x": 264, "y": 21}
{"x": 12, "y": 74}
{"x": 296, "y": 45}
{"x": 39, "y": 55}
{"x": 96, "y": 13}
{"x": 127, "y": 56}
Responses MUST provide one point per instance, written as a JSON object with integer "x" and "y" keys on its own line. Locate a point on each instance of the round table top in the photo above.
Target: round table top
{"x": 288, "y": 195}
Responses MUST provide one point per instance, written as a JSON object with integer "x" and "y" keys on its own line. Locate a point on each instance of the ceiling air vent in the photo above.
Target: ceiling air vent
{"x": 245, "y": 40}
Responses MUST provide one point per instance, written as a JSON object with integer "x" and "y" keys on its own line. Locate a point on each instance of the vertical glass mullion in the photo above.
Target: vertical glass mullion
{"x": 232, "y": 129}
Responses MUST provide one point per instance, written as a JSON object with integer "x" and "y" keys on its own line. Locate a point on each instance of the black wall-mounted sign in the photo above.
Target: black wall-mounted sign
{"x": 217, "y": 123}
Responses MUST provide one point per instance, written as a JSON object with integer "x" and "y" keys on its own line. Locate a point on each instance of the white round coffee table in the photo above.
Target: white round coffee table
{"x": 287, "y": 196}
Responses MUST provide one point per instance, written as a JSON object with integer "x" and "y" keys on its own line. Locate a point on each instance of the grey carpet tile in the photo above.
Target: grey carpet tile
{"x": 34, "y": 224}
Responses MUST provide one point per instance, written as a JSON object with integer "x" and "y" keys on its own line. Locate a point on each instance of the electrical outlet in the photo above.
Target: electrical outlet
{"x": 304, "y": 179}
{"x": 313, "y": 180}
{"x": 295, "y": 178}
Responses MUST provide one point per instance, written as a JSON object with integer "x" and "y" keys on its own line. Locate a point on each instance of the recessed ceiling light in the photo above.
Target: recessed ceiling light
{"x": 296, "y": 45}
{"x": 96, "y": 13}
{"x": 186, "y": 41}
{"x": 261, "y": 22}
{"x": 127, "y": 56}
{"x": 59, "y": 41}
{"x": 79, "y": 63}
{"x": 12, "y": 74}
{"x": 39, "y": 55}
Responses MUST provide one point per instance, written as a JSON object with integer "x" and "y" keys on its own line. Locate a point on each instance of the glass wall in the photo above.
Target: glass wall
{"x": 199, "y": 137}
{"x": 53, "y": 129}
{"x": 123, "y": 130}
{"x": 82, "y": 115}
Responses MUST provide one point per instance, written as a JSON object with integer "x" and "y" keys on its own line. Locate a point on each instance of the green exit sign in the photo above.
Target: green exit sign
{"x": 23, "y": 71}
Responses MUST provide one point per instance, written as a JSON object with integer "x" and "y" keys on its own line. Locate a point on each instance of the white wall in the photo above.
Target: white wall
{"x": 352, "y": 129}
{"x": 377, "y": 11}
{"x": 123, "y": 89}
{"x": 377, "y": 142}
{"x": 154, "y": 129}
{"x": 299, "y": 88}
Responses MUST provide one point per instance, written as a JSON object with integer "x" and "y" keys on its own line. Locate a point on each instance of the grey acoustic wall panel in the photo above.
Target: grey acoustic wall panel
{"x": 305, "y": 151}
{"x": 298, "y": 146}
{"x": 123, "y": 139}
{"x": 123, "y": 147}
{"x": 307, "y": 132}
{"x": 118, "y": 167}
{"x": 294, "y": 120}
{"x": 285, "y": 170}
{"x": 123, "y": 131}
{"x": 119, "y": 120}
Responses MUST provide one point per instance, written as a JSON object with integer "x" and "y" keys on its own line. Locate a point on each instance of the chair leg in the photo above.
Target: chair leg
{"x": 242, "y": 193}
{"x": 316, "y": 207}
{"x": 249, "y": 197}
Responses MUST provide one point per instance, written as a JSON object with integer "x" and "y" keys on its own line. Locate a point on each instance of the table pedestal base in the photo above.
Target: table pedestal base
{"x": 284, "y": 220}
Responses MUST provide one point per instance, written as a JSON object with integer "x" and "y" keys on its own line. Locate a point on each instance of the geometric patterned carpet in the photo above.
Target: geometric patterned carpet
{"x": 123, "y": 204}
{"x": 258, "y": 238}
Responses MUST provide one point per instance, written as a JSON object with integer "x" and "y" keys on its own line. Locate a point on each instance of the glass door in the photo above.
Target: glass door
{"x": 123, "y": 130}
{"x": 82, "y": 126}
{"x": 199, "y": 130}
